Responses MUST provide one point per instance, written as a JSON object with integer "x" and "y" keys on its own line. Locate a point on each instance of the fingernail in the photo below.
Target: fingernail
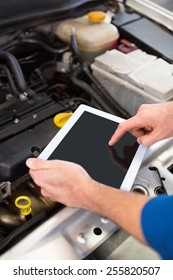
{"x": 29, "y": 162}
{"x": 110, "y": 142}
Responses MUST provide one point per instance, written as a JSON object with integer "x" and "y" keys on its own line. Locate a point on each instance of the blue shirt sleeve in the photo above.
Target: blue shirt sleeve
{"x": 157, "y": 225}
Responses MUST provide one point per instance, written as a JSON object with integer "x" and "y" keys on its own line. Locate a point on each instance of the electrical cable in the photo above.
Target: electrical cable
{"x": 116, "y": 108}
{"x": 11, "y": 38}
{"x": 35, "y": 42}
{"x": 88, "y": 89}
{"x": 10, "y": 79}
{"x": 17, "y": 72}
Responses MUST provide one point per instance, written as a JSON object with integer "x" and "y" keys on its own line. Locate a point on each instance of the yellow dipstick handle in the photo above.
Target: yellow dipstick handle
{"x": 24, "y": 202}
{"x": 61, "y": 118}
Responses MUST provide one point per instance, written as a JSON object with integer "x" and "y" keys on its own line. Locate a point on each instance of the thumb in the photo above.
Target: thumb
{"x": 147, "y": 139}
{"x": 36, "y": 163}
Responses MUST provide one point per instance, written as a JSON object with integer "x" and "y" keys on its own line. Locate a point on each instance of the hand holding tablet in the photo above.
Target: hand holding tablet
{"x": 84, "y": 140}
{"x": 83, "y": 171}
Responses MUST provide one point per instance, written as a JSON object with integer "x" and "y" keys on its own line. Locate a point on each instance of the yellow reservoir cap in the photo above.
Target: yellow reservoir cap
{"x": 61, "y": 118}
{"x": 23, "y": 202}
{"x": 96, "y": 16}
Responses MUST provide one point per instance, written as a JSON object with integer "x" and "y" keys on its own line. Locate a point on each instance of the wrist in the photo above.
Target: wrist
{"x": 97, "y": 196}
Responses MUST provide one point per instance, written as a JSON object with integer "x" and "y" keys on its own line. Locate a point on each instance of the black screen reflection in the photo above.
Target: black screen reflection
{"x": 128, "y": 154}
{"x": 87, "y": 144}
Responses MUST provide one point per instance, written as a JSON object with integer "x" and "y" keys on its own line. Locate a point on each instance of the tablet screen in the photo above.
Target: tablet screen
{"x": 86, "y": 143}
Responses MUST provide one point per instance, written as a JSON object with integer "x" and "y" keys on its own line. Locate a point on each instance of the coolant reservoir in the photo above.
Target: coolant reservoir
{"x": 94, "y": 34}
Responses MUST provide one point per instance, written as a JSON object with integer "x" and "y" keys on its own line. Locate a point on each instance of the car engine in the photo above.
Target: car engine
{"x": 40, "y": 77}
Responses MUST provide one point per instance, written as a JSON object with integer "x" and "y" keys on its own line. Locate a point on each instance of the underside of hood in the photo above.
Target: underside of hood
{"x": 19, "y": 13}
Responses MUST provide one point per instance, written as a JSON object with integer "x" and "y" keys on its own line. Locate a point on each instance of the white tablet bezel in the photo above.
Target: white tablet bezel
{"x": 136, "y": 162}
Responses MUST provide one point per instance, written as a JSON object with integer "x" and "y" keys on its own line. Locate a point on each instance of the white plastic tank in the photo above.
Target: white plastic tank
{"x": 94, "y": 33}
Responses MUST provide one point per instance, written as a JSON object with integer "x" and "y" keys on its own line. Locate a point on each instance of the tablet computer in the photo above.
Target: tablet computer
{"x": 84, "y": 140}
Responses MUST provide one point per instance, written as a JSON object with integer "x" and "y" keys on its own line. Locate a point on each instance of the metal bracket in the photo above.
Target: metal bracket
{"x": 5, "y": 190}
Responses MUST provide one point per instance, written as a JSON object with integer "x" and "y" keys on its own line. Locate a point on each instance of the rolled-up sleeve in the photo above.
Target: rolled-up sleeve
{"x": 157, "y": 225}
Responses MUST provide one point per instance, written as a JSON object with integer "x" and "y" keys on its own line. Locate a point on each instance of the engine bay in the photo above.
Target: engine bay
{"x": 41, "y": 76}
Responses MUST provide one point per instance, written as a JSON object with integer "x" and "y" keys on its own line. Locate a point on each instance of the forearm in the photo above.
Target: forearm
{"x": 69, "y": 184}
{"x": 121, "y": 207}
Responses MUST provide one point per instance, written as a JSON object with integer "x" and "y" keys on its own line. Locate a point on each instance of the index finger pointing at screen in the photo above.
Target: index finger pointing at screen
{"x": 125, "y": 126}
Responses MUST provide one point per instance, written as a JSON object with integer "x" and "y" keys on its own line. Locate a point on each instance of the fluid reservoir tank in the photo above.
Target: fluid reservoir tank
{"x": 94, "y": 34}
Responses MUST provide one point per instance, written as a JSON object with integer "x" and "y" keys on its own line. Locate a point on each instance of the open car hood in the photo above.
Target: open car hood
{"x": 15, "y": 14}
